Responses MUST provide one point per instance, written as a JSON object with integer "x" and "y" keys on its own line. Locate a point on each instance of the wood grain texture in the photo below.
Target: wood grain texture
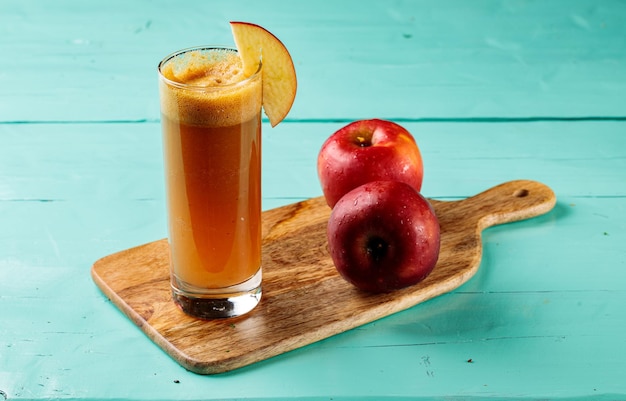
{"x": 304, "y": 299}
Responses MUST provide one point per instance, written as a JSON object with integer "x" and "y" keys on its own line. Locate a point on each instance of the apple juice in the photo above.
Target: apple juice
{"x": 214, "y": 198}
{"x": 211, "y": 127}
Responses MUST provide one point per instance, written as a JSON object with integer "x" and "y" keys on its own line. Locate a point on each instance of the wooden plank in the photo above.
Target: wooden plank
{"x": 443, "y": 59}
{"x": 123, "y": 162}
{"x": 304, "y": 298}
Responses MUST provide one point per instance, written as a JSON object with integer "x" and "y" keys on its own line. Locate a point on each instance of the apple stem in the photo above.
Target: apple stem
{"x": 363, "y": 141}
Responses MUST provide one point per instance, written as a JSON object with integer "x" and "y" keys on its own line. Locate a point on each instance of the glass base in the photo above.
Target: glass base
{"x": 220, "y": 303}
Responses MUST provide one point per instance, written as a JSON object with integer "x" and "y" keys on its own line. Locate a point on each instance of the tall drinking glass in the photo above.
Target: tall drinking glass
{"x": 211, "y": 126}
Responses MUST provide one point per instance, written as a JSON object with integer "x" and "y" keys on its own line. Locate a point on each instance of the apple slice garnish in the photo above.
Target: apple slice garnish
{"x": 255, "y": 44}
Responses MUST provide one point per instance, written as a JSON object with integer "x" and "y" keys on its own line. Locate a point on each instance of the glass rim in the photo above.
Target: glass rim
{"x": 182, "y": 85}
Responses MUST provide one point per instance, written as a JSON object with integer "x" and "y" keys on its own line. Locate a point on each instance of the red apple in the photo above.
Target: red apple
{"x": 364, "y": 151}
{"x": 383, "y": 236}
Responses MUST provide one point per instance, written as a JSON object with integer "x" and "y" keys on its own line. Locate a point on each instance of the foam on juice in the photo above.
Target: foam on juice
{"x": 189, "y": 79}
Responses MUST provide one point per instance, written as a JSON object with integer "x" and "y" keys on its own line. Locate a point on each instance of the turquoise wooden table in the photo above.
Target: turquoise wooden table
{"x": 492, "y": 90}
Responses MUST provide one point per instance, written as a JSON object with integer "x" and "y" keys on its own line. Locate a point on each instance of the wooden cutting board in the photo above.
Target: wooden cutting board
{"x": 304, "y": 298}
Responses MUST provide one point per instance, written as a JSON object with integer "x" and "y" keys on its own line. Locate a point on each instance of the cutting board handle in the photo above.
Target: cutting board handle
{"x": 507, "y": 202}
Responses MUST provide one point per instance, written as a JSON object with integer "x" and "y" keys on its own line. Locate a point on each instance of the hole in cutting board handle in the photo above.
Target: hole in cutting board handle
{"x": 521, "y": 193}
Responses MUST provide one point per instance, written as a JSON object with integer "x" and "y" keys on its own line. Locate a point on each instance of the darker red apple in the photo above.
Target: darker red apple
{"x": 383, "y": 236}
{"x": 364, "y": 151}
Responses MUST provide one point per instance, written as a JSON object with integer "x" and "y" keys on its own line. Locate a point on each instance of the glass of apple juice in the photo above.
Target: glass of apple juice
{"x": 211, "y": 127}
